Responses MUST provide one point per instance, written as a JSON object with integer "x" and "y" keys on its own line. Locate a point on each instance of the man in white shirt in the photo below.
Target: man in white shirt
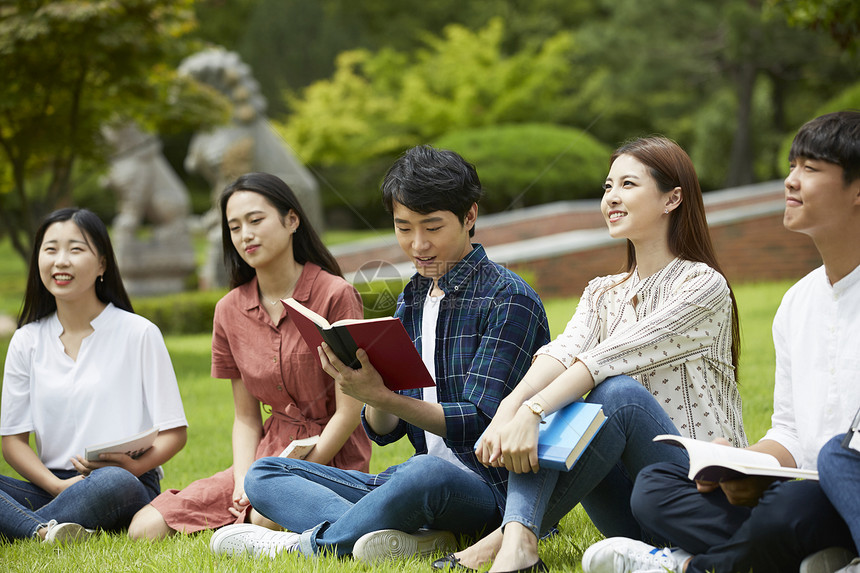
{"x": 757, "y": 523}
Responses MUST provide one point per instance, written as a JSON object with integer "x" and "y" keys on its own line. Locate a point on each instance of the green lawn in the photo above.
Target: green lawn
{"x": 208, "y": 406}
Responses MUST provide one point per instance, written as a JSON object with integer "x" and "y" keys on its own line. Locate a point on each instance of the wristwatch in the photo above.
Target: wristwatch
{"x": 535, "y": 408}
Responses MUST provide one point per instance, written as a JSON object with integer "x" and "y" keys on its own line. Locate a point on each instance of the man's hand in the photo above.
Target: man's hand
{"x": 364, "y": 384}
{"x": 124, "y": 461}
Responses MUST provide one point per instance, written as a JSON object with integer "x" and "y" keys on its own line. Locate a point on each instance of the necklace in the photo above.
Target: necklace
{"x": 277, "y": 300}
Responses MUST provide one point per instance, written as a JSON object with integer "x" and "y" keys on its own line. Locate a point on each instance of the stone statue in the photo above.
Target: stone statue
{"x": 148, "y": 191}
{"x": 247, "y": 144}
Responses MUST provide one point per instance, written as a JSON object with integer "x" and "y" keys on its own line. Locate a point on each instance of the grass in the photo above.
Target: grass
{"x": 208, "y": 406}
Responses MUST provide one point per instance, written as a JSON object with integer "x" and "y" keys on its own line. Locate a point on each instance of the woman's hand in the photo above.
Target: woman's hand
{"x": 488, "y": 450}
{"x": 240, "y": 501}
{"x": 512, "y": 444}
{"x": 123, "y": 461}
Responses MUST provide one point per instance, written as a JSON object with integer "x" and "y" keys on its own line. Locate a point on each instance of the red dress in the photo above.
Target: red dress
{"x": 279, "y": 370}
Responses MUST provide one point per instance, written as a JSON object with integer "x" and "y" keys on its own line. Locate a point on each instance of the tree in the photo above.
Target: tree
{"x": 379, "y": 103}
{"x": 68, "y": 68}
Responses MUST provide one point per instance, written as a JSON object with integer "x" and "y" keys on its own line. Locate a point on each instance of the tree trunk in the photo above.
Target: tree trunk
{"x": 741, "y": 162}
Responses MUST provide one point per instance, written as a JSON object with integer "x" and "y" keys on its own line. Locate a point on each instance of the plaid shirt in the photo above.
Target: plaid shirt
{"x": 490, "y": 325}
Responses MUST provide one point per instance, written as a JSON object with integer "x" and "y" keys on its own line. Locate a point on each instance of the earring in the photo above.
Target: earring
{"x": 666, "y": 211}
{"x": 101, "y": 279}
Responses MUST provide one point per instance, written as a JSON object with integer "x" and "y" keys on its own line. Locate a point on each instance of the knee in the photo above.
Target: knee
{"x": 422, "y": 472}
{"x": 654, "y": 486}
{"x": 266, "y": 469}
{"x": 148, "y": 524}
{"x": 787, "y": 510}
{"x": 828, "y": 457}
{"x": 618, "y": 391}
{"x": 113, "y": 481}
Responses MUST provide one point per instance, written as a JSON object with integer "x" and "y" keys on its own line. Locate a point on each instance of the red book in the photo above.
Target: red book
{"x": 384, "y": 339}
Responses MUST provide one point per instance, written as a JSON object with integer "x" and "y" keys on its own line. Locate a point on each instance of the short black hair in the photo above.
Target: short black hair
{"x": 425, "y": 179}
{"x": 832, "y": 137}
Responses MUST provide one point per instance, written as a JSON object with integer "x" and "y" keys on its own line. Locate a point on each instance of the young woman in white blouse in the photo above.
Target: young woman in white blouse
{"x": 81, "y": 369}
{"x": 657, "y": 346}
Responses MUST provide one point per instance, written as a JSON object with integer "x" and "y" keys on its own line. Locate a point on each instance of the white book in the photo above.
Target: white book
{"x": 716, "y": 462}
{"x": 132, "y": 446}
{"x": 299, "y": 449}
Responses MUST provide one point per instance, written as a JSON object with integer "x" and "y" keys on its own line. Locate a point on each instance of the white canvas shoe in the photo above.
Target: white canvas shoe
{"x": 253, "y": 540}
{"x": 386, "y": 544}
{"x": 826, "y": 561}
{"x": 623, "y": 555}
{"x": 67, "y": 532}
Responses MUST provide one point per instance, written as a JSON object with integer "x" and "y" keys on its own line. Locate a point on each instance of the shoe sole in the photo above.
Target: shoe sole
{"x": 393, "y": 544}
{"x": 69, "y": 533}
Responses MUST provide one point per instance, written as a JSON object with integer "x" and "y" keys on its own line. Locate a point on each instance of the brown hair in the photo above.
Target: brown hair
{"x": 689, "y": 237}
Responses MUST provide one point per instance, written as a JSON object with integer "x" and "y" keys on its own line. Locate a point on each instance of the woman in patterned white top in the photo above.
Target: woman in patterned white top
{"x": 657, "y": 346}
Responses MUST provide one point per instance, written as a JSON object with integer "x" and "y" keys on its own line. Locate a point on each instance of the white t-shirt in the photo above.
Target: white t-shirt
{"x": 429, "y": 317}
{"x": 122, "y": 383}
{"x": 816, "y": 335}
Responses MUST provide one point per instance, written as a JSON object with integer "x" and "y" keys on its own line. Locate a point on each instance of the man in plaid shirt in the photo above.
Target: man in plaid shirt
{"x": 476, "y": 326}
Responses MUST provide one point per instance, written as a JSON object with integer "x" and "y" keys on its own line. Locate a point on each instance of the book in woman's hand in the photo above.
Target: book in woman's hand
{"x": 299, "y": 449}
{"x": 132, "y": 446}
{"x": 714, "y": 462}
{"x": 385, "y": 340}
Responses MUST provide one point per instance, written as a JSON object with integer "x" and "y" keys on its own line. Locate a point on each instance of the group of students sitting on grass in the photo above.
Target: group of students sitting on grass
{"x": 657, "y": 346}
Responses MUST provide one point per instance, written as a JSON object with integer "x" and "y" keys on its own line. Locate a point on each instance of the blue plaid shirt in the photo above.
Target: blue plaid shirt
{"x": 490, "y": 325}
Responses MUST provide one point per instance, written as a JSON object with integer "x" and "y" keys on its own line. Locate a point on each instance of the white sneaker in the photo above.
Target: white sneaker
{"x": 67, "y": 532}
{"x": 623, "y": 555}
{"x": 253, "y": 540}
{"x": 385, "y": 544}
{"x": 853, "y": 567}
{"x": 826, "y": 561}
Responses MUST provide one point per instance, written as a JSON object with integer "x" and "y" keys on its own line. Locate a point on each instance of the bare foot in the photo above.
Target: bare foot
{"x": 481, "y": 552}
{"x": 518, "y": 550}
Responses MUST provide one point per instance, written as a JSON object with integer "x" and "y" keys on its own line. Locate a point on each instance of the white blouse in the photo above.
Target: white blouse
{"x": 122, "y": 383}
{"x": 673, "y": 333}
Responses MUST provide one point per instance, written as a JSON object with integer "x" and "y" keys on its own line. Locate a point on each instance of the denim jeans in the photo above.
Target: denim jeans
{"x": 839, "y": 472}
{"x": 602, "y": 479}
{"x": 334, "y": 507}
{"x": 106, "y": 499}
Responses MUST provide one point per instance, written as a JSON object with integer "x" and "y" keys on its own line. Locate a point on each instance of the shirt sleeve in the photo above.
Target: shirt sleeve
{"x": 223, "y": 364}
{"x": 345, "y": 303}
{"x": 15, "y": 414}
{"x": 159, "y": 381}
{"x": 680, "y": 329}
{"x": 783, "y": 425}
{"x": 516, "y": 326}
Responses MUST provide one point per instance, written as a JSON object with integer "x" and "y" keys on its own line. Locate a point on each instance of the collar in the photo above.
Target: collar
{"x": 249, "y": 293}
{"x": 458, "y": 277}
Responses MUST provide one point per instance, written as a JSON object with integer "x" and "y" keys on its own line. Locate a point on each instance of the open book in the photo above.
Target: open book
{"x": 299, "y": 449}
{"x": 132, "y": 446}
{"x": 384, "y": 339}
{"x": 564, "y": 434}
{"x": 716, "y": 462}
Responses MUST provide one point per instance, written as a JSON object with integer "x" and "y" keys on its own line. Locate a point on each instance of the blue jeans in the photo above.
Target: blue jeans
{"x": 602, "y": 479}
{"x": 839, "y": 472}
{"x": 106, "y": 499}
{"x": 334, "y": 507}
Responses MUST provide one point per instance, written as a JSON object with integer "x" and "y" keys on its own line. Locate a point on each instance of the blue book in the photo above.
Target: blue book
{"x": 565, "y": 434}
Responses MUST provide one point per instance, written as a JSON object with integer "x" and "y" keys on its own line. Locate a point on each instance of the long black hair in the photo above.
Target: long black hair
{"x": 307, "y": 245}
{"x": 38, "y": 300}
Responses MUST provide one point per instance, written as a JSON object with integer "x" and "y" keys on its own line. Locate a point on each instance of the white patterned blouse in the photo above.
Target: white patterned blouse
{"x": 673, "y": 333}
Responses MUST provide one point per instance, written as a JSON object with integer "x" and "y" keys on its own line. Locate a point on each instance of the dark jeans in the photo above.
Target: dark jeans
{"x": 792, "y": 520}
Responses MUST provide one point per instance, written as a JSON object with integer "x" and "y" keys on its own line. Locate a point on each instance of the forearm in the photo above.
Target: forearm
{"x": 383, "y": 413}
{"x": 246, "y": 438}
{"x": 166, "y": 445}
{"x": 572, "y": 384}
{"x": 21, "y": 457}
{"x": 540, "y": 376}
{"x": 777, "y": 450}
{"x": 335, "y": 434}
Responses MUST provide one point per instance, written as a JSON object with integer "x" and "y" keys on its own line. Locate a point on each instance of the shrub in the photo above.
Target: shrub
{"x": 182, "y": 313}
{"x": 531, "y": 164}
